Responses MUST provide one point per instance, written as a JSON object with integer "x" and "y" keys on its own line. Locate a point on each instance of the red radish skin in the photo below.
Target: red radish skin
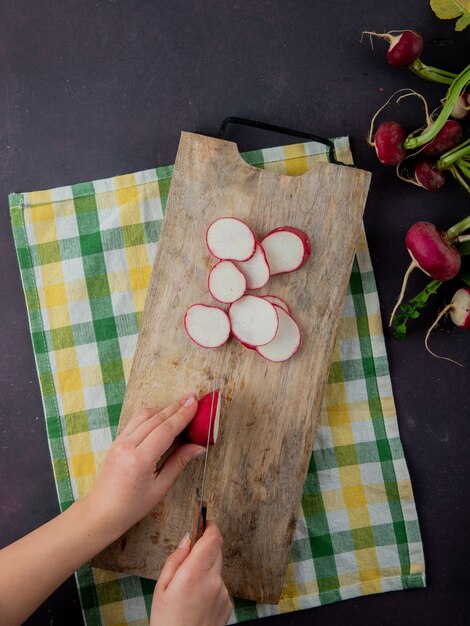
{"x": 207, "y": 326}
{"x": 434, "y": 255}
{"x": 254, "y": 321}
{"x": 197, "y": 430}
{"x": 459, "y": 310}
{"x": 277, "y": 300}
{"x": 230, "y": 239}
{"x": 287, "y": 249}
{"x": 286, "y": 342}
{"x": 226, "y": 282}
{"x": 256, "y": 270}
{"x": 448, "y": 137}
{"x": 431, "y": 253}
{"x": 429, "y": 176}
{"x": 388, "y": 143}
{"x": 405, "y": 48}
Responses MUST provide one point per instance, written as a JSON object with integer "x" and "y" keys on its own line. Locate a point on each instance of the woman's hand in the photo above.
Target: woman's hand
{"x": 128, "y": 485}
{"x": 190, "y": 590}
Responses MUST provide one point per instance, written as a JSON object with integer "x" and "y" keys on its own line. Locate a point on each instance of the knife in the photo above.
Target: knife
{"x": 200, "y": 513}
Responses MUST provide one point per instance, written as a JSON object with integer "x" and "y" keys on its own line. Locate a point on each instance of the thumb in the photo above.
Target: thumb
{"x": 173, "y": 562}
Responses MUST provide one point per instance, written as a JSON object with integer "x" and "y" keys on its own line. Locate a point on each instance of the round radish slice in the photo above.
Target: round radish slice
{"x": 208, "y": 326}
{"x": 197, "y": 430}
{"x": 286, "y": 342}
{"x": 256, "y": 269}
{"x": 254, "y": 320}
{"x": 226, "y": 282}
{"x": 228, "y": 238}
{"x": 287, "y": 248}
{"x": 277, "y": 300}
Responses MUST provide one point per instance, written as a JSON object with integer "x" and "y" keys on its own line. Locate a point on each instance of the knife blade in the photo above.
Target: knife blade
{"x": 201, "y": 506}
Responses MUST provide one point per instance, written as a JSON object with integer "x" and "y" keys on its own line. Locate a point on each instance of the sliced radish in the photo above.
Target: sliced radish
{"x": 208, "y": 326}
{"x": 226, "y": 282}
{"x": 197, "y": 430}
{"x": 287, "y": 248}
{"x": 286, "y": 342}
{"x": 228, "y": 238}
{"x": 256, "y": 269}
{"x": 254, "y": 320}
{"x": 277, "y": 300}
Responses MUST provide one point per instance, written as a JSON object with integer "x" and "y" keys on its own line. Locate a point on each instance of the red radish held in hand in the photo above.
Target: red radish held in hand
{"x": 431, "y": 253}
{"x": 277, "y": 300}
{"x": 256, "y": 269}
{"x": 388, "y": 143}
{"x": 230, "y": 239}
{"x": 287, "y": 249}
{"x": 208, "y": 326}
{"x": 286, "y": 342}
{"x": 226, "y": 282}
{"x": 254, "y": 320}
{"x": 197, "y": 430}
{"x": 448, "y": 137}
{"x": 459, "y": 309}
{"x": 404, "y": 48}
{"x": 429, "y": 176}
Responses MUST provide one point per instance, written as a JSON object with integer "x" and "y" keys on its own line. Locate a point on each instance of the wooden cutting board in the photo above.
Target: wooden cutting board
{"x": 257, "y": 469}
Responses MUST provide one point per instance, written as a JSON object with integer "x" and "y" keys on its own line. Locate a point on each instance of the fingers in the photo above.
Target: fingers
{"x": 138, "y": 418}
{"x": 160, "y": 439}
{"x": 145, "y": 428}
{"x": 173, "y": 562}
{"x": 175, "y": 464}
{"x": 206, "y": 553}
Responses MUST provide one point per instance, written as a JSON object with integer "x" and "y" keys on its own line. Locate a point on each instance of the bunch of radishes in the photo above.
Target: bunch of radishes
{"x": 440, "y": 141}
{"x": 261, "y": 323}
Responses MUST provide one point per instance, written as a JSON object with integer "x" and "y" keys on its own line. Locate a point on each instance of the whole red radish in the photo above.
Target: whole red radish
{"x": 404, "y": 48}
{"x": 432, "y": 253}
{"x": 197, "y": 430}
{"x": 287, "y": 249}
{"x": 459, "y": 309}
{"x": 429, "y": 176}
{"x": 388, "y": 143}
{"x": 448, "y": 137}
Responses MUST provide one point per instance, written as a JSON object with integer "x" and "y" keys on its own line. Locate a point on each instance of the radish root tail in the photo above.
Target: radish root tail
{"x": 411, "y": 267}
{"x": 444, "y": 311}
{"x": 372, "y": 122}
{"x": 423, "y": 100}
{"x": 407, "y": 179}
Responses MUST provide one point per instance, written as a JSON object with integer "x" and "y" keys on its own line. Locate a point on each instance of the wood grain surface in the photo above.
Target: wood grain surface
{"x": 257, "y": 469}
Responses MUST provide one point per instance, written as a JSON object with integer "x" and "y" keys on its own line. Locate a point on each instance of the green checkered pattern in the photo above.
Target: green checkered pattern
{"x": 85, "y": 254}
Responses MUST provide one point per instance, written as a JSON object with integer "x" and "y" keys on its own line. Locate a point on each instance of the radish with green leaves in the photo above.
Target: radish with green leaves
{"x": 459, "y": 309}
{"x": 388, "y": 143}
{"x": 448, "y": 137}
{"x": 404, "y": 47}
{"x": 429, "y": 176}
{"x": 432, "y": 252}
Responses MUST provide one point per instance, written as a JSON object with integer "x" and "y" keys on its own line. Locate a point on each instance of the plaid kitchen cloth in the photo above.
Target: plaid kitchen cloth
{"x": 85, "y": 254}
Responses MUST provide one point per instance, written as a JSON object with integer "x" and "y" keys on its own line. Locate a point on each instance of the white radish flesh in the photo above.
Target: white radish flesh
{"x": 256, "y": 269}
{"x": 208, "y": 326}
{"x": 254, "y": 320}
{"x": 277, "y": 300}
{"x": 460, "y": 311}
{"x": 226, "y": 282}
{"x": 286, "y": 342}
{"x": 229, "y": 238}
{"x": 287, "y": 249}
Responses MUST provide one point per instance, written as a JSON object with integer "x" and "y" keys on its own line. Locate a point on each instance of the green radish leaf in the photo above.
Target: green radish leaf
{"x": 464, "y": 248}
{"x": 464, "y": 273}
{"x": 412, "y": 309}
{"x": 450, "y": 9}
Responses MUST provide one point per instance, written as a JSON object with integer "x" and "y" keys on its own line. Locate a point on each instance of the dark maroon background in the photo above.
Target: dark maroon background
{"x": 93, "y": 89}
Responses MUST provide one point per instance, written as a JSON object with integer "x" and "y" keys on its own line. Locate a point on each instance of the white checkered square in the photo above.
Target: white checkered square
{"x": 371, "y": 473}
{"x": 348, "y": 309}
{"x": 387, "y": 556}
{"x": 350, "y": 591}
{"x": 379, "y": 513}
{"x": 147, "y": 176}
{"x": 301, "y": 531}
{"x": 303, "y": 571}
{"x": 80, "y": 312}
{"x": 329, "y": 479}
{"x": 123, "y": 303}
{"x": 72, "y": 270}
{"x": 338, "y": 521}
{"x": 108, "y": 216}
{"x": 66, "y": 226}
{"x": 363, "y": 431}
{"x": 151, "y": 209}
{"x": 104, "y": 185}
{"x": 61, "y": 193}
{"x": 127, "y": 345}
{"x": 349, "y": 349}
{"x": 87, "y": 354}
{"x": 115, "y": 260}
{"x": 346, "y": 562}
{"x": 94, "y": 397}
{"x": 100, "y": 439}
{"x": 378, "y": 345}
{"x": 356, "y": 390}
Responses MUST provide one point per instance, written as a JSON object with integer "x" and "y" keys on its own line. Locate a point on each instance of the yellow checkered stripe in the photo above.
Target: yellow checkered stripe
{"x": 85, "y": 252}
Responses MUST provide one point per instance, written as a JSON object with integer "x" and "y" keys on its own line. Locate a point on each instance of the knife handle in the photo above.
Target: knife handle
{"x": 199, "y": 522}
